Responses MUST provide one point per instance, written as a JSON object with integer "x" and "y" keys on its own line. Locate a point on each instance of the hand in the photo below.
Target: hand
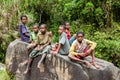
{"x": 50, "y": 34}
{"x": 81, "y": 54}
{"x": 34, "y": 44}
{"x": 56, "y": 45}
{"x": 39, "y": 48}
{"x": 88, "y": 51}
{"x": 54, "y": 52}
{"x": 27, "y": 34}
{"x": 54, "y": 49}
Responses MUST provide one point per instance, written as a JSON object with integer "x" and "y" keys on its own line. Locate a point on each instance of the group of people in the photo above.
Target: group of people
{"x": 75, "y": 47}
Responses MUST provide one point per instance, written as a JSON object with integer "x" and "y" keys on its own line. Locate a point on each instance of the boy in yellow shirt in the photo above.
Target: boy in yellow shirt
{"x": 81, "y": 48}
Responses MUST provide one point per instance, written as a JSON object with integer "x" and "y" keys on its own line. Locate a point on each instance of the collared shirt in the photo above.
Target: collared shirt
{"x": 23, "y": 29}
{"x": 68, "y": 34}
{"x": 44, "y": 39}
{"x": 80, "y": 47}
{"x": 65, "y": 44}
{"x": 33, "y": 36}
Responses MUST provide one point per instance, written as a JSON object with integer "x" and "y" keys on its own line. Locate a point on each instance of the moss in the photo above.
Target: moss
{"x": 4, "y": 75}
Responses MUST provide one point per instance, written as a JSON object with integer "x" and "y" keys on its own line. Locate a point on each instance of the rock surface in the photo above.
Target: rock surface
{"x": 2, "y": 67}
{"x": 3, "y": 73}
{"x": 56, "y": 67}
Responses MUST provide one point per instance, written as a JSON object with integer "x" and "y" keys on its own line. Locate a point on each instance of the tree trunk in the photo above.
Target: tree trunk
{"x": 106, "y": 6}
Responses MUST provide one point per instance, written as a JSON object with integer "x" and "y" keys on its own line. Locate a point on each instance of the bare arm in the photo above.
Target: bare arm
{"x": 92, "y": 44}
{"x": 57, "y": 48}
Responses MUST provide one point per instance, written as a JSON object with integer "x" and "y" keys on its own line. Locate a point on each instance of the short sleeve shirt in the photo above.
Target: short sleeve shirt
{"x": 80, "y": 47}
{"x": 44, "y": 39}
{"x": 23, "y": 29}
{"x": 33, "y": 36}
{"x": 65, "y": 44}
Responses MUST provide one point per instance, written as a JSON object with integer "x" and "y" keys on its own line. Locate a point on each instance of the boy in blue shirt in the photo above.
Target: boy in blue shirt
{"x": 24, "y": 33}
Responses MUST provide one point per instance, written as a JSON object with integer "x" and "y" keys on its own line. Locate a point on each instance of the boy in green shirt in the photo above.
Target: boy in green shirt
{"x": 33, "y": 36}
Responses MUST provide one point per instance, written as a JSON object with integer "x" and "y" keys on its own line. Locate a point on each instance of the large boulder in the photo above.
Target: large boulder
{"x": 56, "y": 67}
{"x": 16, "y": 55}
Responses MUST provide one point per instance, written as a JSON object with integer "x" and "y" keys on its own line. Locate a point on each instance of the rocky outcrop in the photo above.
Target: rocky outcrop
{"x": 16, "y": 54}
{"x": 74, "y": 71}
{"x": 56, "y": 67}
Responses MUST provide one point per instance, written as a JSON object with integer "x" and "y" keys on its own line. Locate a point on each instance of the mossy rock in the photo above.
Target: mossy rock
{"x": 3, "y": 73}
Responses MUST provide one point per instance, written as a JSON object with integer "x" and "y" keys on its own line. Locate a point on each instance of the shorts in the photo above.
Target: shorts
{"x": 85, "y": 54}
{"x": 35, "y": 52}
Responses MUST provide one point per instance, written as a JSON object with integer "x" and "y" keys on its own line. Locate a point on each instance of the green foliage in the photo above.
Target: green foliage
{"x": 89, "y": 7}
{"x": 5, "y": 39}
{"x": 116, "y": 10}
{"x": 107, "y": 47}
{"x": 99, "y": 14}
{"x": 4, "y": 75}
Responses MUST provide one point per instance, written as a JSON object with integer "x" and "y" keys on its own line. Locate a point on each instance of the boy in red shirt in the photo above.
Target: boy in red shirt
{"x": 67, "y": 26}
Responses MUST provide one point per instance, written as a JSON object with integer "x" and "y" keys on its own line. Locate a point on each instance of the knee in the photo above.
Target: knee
{"x": 92, "y": 51}
{"x": 70, "y": 56}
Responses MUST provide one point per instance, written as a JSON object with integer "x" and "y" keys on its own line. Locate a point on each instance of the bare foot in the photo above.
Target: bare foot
{"x": 87, "y": 64}
{"x": 95, "y": 65}
{"x": 38, "y": 66}
{"x": 26, "y": 71}
{"x": 25, "y": 62}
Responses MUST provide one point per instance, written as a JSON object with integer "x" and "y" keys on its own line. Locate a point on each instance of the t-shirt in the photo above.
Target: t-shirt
{"x": 44, "y": 39}
{"x": 80, "y": 47}
{"x": 65, "y": 44}
{"x": 23, "y": 30}
{"x": 68, "y": 34}
{"x": 33, "y": 36}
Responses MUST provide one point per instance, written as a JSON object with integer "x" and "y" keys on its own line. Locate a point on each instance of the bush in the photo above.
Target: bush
{"x": 107, "y": 48}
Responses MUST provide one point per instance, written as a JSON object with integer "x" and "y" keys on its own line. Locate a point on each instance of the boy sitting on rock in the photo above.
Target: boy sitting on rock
{"x": 63, "y": 46}
{"x": 43, "y": 47}
{"x": 82, "y": 48}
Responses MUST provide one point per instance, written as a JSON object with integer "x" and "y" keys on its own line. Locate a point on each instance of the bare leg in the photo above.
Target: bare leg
{"x": 24, "y": 63}
{"x": 93, "y": 60}
{"x": 42, "y": 58}
{"x": 28, "y": 65}
{"x": 76, "y": 59}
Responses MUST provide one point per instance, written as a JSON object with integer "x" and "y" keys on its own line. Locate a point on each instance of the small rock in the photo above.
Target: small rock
{"x": 2, "y": 67}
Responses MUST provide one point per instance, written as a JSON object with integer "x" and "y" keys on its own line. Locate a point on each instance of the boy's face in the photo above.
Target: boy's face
{"x": 35, "y": 29}
{"x": 80, "y": 37}
{"x": 67, "y": 25}
{"x": 24, "y": 20}
{"x": 60, "y": 30}
{"x": 43, "y": 29}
